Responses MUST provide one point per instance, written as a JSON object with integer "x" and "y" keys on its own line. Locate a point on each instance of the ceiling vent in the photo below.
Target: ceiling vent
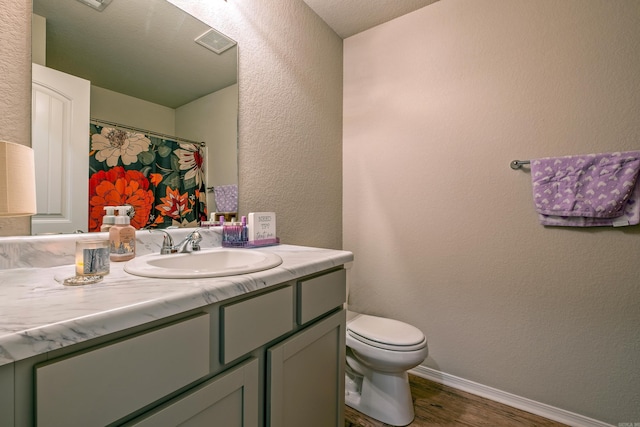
{"x": 98, "y": 5}
{"x": 215, "y": 41}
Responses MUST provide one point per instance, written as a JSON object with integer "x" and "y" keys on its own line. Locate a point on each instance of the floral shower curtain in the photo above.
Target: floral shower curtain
{"x": 163, "y": 180}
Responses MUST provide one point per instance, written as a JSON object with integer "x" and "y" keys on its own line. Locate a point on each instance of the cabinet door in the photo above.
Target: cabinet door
{"x": 305, "y": 385}
{"x": 229, "y": 400}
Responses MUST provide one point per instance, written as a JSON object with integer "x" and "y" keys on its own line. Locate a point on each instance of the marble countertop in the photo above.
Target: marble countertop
{"x": 39, "y": 314}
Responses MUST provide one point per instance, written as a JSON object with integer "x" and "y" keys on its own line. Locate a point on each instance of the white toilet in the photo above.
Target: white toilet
{"x": 379, "y": 353}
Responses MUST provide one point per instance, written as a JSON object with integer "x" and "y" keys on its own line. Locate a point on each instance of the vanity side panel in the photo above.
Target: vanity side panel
{"x": 6, "y": 395}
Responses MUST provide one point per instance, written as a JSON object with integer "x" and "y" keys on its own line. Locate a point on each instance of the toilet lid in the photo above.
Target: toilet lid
{"x": 386, "y": 333}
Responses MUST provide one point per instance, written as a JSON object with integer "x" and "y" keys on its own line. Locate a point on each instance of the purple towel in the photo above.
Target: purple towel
{"x": 226, "y": 197}
{"x": 587, "y": 190}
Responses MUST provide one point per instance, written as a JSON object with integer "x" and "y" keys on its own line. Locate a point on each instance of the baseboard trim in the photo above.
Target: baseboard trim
{"x": 537, "y": 408}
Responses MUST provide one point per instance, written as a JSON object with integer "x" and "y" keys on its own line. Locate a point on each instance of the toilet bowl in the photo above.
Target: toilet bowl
{"x": 379, "y": 353}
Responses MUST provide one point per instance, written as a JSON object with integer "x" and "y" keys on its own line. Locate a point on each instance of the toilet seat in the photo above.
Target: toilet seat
{"x": 388, "y": 334}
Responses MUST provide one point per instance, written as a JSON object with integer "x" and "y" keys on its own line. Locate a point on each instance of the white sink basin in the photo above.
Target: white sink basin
{"x": 215, "y": 262}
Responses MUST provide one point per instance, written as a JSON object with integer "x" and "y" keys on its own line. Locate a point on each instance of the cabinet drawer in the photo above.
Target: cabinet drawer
{"x": 102, "y": 385}
{"x": 321, "y": 294}
{"x": 249, "y": 324}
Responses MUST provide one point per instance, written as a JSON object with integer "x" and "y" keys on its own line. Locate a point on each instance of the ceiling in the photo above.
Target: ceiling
{"x": 142, "y": 48}
{"x": 349, "y": 17}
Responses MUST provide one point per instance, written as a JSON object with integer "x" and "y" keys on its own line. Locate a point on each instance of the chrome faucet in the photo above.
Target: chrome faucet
{"x": 194, "y": 238}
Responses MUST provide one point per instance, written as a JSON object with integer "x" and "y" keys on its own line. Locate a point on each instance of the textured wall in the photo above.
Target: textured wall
{"x": 15, "y": 87}
{"x": 290, "y": 119}
{"x": 437, "y": 103}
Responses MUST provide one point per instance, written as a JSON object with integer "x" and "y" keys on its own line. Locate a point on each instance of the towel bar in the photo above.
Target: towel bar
{"x": 517, "y": 164}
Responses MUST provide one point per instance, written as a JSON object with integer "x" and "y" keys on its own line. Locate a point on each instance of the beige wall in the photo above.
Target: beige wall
{"x": 39, "y": 40}
{"x": 290, "y": 120}
{"x": 436, "y": 105}
{"x": 214, "y": 119}
{"x": 15, "y": 88}
{"x": 120, "y": 108}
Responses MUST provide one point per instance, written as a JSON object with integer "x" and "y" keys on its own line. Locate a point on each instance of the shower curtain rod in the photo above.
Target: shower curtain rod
{"x": 145, "y": 131}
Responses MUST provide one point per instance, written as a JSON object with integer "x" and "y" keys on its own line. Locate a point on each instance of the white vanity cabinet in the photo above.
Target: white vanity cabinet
{"x": 273, "y": 357}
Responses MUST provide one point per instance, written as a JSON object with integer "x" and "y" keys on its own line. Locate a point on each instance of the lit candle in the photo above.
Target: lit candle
{"x": 92, "y": 257}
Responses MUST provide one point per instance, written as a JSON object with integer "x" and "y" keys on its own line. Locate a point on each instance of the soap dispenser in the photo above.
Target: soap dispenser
{"x": 122, "y": 237}
{"x": 109, "y": 219}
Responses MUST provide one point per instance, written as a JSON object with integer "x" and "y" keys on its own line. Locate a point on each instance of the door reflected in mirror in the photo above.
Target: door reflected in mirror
{"x": 146, "y": 71}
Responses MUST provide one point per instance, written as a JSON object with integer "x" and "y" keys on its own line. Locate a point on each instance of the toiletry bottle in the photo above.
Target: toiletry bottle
{"x": 226, "y": 233}
{"x": 109, "y": 219}
{"x": 122, "y": 237}
{"x": 244, "y": 234}
{"x": 231, "y": 234}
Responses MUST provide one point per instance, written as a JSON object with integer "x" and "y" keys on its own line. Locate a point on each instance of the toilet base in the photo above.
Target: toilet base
{"x": 383, "y": 396}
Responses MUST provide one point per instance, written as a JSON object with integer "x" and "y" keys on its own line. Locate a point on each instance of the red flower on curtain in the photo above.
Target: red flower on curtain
{"x": 174, "y": 205}
{"x": 117, "y": 187}
{"x": 173, "y": 172}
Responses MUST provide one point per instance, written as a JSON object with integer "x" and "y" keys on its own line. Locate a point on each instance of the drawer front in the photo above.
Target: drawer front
{"x": 321, "y": 294}
{"x": 103, "y": 385}
{"x": 251, "y": 323}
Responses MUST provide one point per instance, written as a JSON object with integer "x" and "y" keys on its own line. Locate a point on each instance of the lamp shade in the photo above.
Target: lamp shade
{"x": 17, "y": 180}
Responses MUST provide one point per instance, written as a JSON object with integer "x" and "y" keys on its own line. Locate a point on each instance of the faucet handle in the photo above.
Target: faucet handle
{"x": 196, "y": 238}
{"x": 167, "y": 243}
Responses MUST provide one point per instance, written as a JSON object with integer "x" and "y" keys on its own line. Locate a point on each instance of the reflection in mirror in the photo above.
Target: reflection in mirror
{"x": 145, "y": 71}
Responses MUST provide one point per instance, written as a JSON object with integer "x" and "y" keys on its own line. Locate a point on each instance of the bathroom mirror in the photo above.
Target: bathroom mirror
{"x": 146, "y": 49}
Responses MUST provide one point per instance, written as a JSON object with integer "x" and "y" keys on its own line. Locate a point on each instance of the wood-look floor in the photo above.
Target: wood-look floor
{"x": 439, "y": 405}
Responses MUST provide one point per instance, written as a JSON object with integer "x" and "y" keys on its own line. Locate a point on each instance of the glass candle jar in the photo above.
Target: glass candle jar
{"x": 92, "y": 257}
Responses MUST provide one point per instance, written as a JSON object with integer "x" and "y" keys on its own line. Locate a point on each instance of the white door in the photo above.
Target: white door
{"x": 60, "y": 139}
